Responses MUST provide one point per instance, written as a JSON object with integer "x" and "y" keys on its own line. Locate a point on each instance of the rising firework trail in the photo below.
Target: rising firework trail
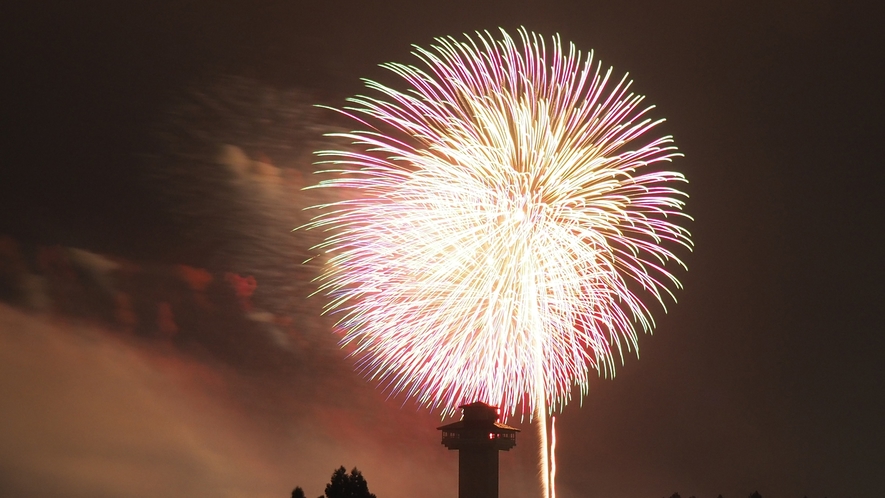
{"x": 503, "y": 214}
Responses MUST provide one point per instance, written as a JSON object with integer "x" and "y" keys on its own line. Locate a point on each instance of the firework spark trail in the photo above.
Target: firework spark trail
{"x": 505, "y": 214}
{"x": 545, "y": 451}
{"x": 552, "y": 457}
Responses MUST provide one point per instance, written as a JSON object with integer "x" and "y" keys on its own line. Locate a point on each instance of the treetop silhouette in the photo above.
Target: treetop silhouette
{"x": 344, "y": 485}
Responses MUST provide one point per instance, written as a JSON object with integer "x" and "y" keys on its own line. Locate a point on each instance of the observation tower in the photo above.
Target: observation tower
{"x": 478, "y": 437}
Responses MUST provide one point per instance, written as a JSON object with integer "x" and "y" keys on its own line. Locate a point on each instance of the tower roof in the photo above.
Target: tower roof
{"x": 479, "y": 415}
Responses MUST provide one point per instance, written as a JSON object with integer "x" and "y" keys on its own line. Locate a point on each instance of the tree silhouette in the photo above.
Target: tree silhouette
{"x": 755, "y": 495}
{"x": 675, "y": 495}
{"x": 343, "y": 485}
{"x": 298, "y": 493}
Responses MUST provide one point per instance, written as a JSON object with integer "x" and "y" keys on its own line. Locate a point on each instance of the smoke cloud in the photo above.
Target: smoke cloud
{"x": 206, "y": 370}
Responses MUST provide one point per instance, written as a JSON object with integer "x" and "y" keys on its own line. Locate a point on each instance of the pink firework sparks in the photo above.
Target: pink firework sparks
{"x": 505, "y": 212}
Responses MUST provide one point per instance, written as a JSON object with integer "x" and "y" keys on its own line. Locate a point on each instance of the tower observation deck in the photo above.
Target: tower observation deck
{"x": 478, "y": 437}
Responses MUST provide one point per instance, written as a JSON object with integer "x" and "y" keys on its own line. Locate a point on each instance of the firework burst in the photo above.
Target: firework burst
{"x": 504, "y": 213}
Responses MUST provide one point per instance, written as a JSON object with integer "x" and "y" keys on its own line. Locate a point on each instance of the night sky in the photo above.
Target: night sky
{"x": 767, "y": 375}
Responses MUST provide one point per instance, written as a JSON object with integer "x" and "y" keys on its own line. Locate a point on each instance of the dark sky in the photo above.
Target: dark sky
{"x": 768, "y": 374}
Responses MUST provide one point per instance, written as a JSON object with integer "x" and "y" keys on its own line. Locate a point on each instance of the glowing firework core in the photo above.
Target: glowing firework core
{"x": 503, "y": 212}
